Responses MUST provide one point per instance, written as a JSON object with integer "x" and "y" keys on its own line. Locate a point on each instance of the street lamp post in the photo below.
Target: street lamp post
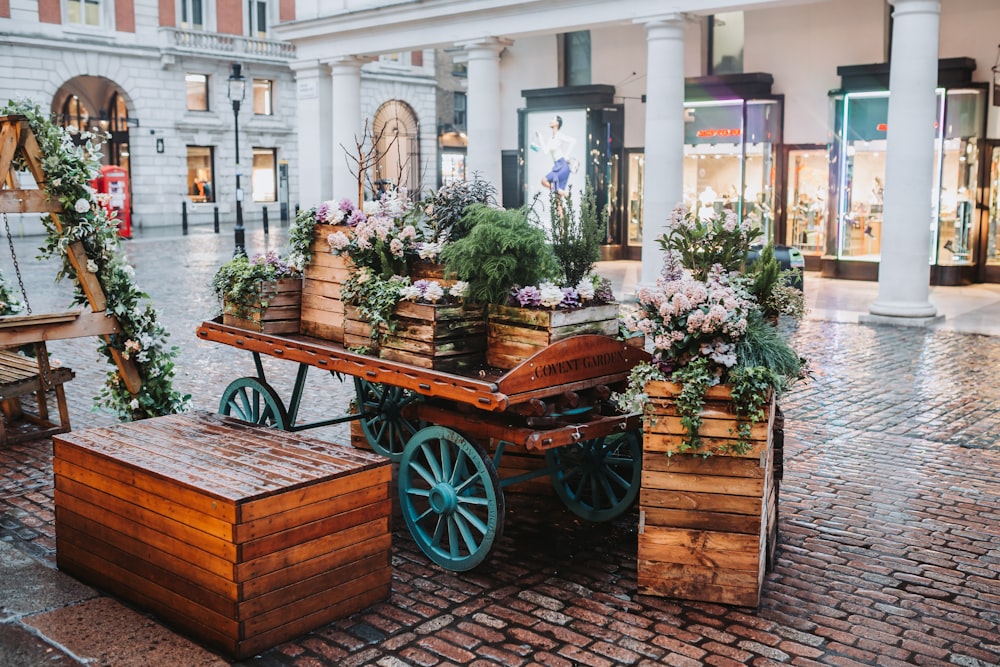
{"x": 237, "y": 91}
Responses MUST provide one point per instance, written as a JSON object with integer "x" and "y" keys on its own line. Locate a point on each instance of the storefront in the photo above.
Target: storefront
{"x": 857, "y": 174}
{"x": 572, "y": 137}
{"x": 732, "y": 132}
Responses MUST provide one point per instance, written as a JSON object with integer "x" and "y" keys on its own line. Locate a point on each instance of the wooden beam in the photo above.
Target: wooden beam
{"x": 28, "y": 201}
{"x": 21, "y": 330}
{"x": 8, "y": 146}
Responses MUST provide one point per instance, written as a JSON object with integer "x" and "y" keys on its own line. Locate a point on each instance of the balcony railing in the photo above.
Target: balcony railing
{"x": 213, "y": 43}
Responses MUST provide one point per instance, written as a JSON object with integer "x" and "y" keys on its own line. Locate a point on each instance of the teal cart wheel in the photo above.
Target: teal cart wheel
{"x": 254, "y": 401}
{"x": 450, "y": 496}
{"x": 598, "y": 479}
{"x": 383, "y": 417}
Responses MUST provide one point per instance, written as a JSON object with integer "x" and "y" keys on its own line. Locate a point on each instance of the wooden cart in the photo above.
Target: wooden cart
{"x": 436, "y": 424}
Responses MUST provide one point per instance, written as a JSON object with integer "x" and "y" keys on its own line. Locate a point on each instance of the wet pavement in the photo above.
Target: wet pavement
{"x": 889, "y": 529}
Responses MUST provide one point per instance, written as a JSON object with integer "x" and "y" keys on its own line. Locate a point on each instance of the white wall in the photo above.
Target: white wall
{"x": 527, "y": 64}
{"x": 802, "y": 46}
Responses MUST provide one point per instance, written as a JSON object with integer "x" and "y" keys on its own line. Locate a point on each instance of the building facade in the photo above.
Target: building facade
{"x": 798, "y": 114}
{"x": 155, "y": 75}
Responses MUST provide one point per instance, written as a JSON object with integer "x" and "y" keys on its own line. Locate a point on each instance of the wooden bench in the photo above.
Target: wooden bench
{"x": 26, "y": 376}
{"x": 239, "y": 535}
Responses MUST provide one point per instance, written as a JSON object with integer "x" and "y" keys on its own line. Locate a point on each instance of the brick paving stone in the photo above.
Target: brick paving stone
{"x": 889, "y": 515}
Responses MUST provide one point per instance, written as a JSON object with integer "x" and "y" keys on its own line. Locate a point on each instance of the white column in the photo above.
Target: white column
{"x": 664, "y": 158}
{"x": 483, "y": 115}
{"x": 312, "y": 82}
{"x": 904, "y": 271}
{"x": 347, "y": 123}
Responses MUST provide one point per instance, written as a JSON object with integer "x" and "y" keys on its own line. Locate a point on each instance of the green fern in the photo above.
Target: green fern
{"x": 501, "y": 250}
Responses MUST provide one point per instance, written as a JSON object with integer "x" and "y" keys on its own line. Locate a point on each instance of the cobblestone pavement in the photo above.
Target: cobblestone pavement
{"x": 889, "y": 549}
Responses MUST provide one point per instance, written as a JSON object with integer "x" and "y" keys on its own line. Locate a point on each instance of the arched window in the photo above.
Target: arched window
{"x": 74, "y": 114}
{"x": 397, "y": 145}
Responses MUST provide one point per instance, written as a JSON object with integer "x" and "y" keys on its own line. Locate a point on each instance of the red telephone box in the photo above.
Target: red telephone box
{"x": 113, "y": 182}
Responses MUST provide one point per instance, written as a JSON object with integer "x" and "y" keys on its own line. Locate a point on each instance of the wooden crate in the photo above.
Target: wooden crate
{"x": 281, "y": 316}
{"x": 357, "y": 332}
{"x": 449, "y": 338}
{"x": 241, "y": 536}
{"x": 705, "y": 522}
{"x": 514, "y": 334}
{"x": 322, "y": 306}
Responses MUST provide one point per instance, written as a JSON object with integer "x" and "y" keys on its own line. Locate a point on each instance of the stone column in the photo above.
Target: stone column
{"x": 347, "y": 125}
{"x": 312, "y": 82}
{"x": 664, "y": 175}
{"x": 904, "y": 271}
{"x": 483, "y": 154}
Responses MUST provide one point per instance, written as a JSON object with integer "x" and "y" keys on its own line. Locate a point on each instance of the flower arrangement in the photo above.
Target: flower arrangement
{"x": 431, "y": 291}
{"x": 68, "y": 171}
{"x": 706, "y": 321}
{"x": 9, "y": 303}
{"x": 247, "y": 284}
{"x": 590, "y": 291}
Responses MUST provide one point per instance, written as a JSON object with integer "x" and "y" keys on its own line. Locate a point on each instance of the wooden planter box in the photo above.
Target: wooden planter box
{"x": 241, "y": 536}
{"x": 322, "y": 306}
{"x": 514, "y": 334}
{"x": 281, "y": 316}
{"x": 357, "y": 332}
{"x": 705, "y": 522}
{"x": 449, "y": 338}
{"x": 424, "y": 270}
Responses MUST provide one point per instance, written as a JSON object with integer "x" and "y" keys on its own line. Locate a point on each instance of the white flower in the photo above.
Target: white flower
{"x": 459, "y": 289}
{"x": 134, "y": 404}
{"x": 338, "y": 241}
{"x": 551, "y": 295}
{"x": 92, "y": 266}
{"x": 429, "y": 250}
{"x": 409, "y": 293}
{"x": 585, "y": 289}
{"x": 433, "y": 291}
{"x": 82, "y": 205}
{"x": 372, "y": 208}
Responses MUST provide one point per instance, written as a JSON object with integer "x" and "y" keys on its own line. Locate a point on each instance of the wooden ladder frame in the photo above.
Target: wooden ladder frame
{"x": 18, "y": 141}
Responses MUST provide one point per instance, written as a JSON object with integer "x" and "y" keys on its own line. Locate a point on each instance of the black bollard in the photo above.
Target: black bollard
{"x": 184, "y": 217}
{"x": 264, "y": 212}
{"x": 216, "y": 214}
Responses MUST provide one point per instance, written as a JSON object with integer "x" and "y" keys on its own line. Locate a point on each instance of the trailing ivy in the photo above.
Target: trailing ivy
{"x": 68, "y": 171}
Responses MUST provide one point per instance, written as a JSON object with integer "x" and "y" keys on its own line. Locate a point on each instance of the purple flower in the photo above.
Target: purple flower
{"x": 571, "y": 298}
{"x": 527, "y": 297}
{"x": 357, "y": 217}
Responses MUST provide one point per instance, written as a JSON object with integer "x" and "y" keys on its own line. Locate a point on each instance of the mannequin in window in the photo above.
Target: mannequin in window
{"x": 558, "y": 147}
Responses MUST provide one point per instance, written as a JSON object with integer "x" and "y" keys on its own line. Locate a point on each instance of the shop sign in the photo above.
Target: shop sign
{"x": 730, "y": 132}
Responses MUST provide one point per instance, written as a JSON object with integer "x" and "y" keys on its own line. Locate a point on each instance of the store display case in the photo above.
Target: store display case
{"x": 730, "y": 150}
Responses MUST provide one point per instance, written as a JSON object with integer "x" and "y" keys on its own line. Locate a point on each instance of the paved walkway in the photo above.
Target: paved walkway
{"x": 889, "y": 526}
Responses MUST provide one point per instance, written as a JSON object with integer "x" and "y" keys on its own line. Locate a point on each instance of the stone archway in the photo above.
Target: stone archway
{"x": 397, "y": 145}
{"x": 85, "y": 102}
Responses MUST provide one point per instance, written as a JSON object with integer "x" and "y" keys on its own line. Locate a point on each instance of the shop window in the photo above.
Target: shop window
{"x": 257, "y": 16}
{"x": 201, "y": 173}
{"x": 993, "y": 206}
{"x": 725, "y": 43}
{"x": 397, "y": 145}
{"x": 197, "y": 91}
{"x": 262, "y": 97}
{"x": 265, "y": 175}
{"x": 83, "y": 12}
{"x": 634, "y": 182}
{"x": 460, "y": 109}
{"x": 192, "y": 14}
{"x": 805, "y": 205}
{"x": 576, "y": 58}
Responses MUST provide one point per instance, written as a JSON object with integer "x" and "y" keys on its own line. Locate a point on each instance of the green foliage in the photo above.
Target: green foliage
{"x": 247, "y": 285}
{"x": 764, "y": 346}
{"x": 68, "y": 170}
{"x": 375, "y": 297}
{"x": 9, "y": 303}
{"x": 764, "y": 274}
{"x": 300, "y": 237}
{"x": 502, "y": 250}
{"x": 575, "y": 239}
{"x": 446, "y": 221}
{"x": 700, "y": 244}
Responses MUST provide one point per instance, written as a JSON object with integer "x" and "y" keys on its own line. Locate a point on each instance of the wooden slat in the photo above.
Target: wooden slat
{"x": 28, "y": 201}
{"x": 21, "y": 330}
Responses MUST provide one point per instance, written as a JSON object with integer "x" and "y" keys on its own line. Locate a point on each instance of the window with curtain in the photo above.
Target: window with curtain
{"x": 197, "y": 91}
{"x": 257, "y": 16}
{"x": 265, "y": 174}
{"x": 193, "y": 14}
{"x": 83, "y": 12}
{"x": 262, "y": 100}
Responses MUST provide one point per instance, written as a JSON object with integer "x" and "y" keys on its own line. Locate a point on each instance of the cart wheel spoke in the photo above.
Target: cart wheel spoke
{"x": 254, "y": 401}
{"x": 384, "y": 416}
{"x": 450, "y": 498}
{"x": 598, "y": 479}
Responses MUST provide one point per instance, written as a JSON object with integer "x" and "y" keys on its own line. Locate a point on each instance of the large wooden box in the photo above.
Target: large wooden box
{"x": 442, "y": 337}
{"x": 280, "y": 316}
{"x": 239, "y": 535}
{"x": 514, "y": 334}
{"x": 322, "y": 306}
{"x": 705, "y": 521}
